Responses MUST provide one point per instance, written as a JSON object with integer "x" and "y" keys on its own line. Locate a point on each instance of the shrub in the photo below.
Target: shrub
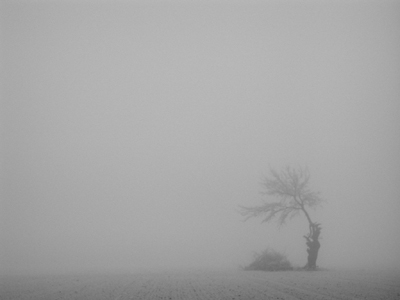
{"x": 269, "y": 260}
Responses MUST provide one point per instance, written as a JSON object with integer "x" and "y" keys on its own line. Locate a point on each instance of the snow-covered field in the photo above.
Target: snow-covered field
{"x": 207, "y": 285}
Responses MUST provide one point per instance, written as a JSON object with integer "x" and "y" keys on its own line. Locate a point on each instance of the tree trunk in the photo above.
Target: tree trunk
{"x": 313, "y": 246}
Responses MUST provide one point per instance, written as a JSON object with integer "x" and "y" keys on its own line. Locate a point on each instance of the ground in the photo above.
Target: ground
{"x": 208, "y": 285}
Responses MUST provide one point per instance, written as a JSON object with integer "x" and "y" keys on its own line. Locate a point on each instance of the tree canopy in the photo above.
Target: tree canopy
{"x": 291, "y": 196}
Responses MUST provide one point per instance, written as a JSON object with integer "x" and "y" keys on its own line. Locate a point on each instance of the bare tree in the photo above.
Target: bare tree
{"x": 293, "y": 196}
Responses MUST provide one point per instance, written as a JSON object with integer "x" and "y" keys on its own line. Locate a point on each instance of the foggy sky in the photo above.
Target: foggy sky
{"x": 131, "y": 132}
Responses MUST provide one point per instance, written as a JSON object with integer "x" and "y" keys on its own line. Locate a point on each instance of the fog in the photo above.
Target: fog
{"x": 132, "y": 131}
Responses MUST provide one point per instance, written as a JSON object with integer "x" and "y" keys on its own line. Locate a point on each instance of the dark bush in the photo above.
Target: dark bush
{"x": 269, "y": 260}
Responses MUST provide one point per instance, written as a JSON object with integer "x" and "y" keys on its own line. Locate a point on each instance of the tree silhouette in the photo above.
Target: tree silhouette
{"x": 293, "y": 196}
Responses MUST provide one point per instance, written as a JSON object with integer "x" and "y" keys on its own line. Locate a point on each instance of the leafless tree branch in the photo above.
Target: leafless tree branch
{"x": 290, "y": 189}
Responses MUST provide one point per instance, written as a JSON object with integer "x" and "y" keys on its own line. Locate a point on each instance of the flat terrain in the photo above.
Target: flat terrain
{"x": 207, "y": 285}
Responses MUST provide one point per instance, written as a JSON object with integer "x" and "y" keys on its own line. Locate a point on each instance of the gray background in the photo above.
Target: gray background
{"x": 131, "y": 132}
